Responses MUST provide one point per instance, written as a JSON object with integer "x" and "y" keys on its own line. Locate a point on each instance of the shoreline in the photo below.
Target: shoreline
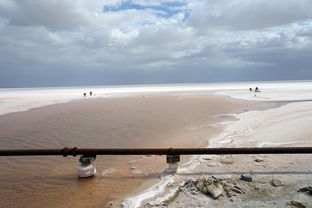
{"x": 190, "y": 126}
{"x": 157, "y": 192}
{"x": 262, "y": 170}
{"x": 23, "y": 99}
{"x": 179, "y": 118}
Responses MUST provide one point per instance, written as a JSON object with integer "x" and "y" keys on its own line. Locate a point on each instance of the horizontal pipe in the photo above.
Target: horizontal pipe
{"x": 161, "y": 151}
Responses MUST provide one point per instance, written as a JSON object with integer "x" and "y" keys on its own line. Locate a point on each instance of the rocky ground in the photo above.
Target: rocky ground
{"x": 266, "y": 181}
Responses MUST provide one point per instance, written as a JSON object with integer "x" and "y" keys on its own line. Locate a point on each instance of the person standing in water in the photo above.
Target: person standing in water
{"x": 84, "y": 94}
{"x": 90, "y": 93}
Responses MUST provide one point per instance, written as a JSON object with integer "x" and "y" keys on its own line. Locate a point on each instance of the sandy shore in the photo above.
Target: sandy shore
{"x": 137, "y": 121}
{"x": 276, "y": 179}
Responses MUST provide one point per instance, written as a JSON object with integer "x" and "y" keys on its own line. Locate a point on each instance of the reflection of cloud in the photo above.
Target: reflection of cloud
{"x": 155, "y": 41}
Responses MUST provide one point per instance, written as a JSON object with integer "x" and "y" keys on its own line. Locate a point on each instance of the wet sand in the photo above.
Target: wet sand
{"x": 120, "y": 122}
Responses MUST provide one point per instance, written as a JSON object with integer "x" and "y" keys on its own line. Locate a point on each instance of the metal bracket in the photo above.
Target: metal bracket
{"x": 173, "y": 158}
{"x": 173, "y": 161}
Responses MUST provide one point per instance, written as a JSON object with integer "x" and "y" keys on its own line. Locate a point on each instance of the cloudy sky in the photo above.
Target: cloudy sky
{"x": 103, "y": 42}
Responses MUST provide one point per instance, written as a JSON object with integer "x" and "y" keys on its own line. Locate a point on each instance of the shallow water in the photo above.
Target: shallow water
{"x": 128, "y": 122}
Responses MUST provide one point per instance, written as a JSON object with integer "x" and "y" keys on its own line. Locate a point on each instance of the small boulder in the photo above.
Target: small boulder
{"x": 200, "y": 186}
{"x": 215, "y": 190}
{"x": 246, "y": 177}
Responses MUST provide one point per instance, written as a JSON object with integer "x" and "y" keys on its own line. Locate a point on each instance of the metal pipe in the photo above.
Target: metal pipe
{"x": 161, "y": 151}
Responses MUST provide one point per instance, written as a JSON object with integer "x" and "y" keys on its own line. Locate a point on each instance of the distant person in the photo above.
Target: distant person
{"x": 90, "y": 93}
{"x": 84, "y": 94}
{"x": 257, "y": 89}
{"x": 250, "y": 89}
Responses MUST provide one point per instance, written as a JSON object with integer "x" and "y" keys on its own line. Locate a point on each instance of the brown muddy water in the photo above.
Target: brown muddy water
{"x": 121, "y": 122}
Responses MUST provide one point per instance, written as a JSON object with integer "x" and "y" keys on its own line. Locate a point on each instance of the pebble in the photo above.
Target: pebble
{"x": 207, "y": 157}
{"x": 276, "y": 183}
{"x": 296, "y": 204}
{"x": 259, "y": 159}
{"x": 246, "y": 177}
{"x": 212, "y": 164}
{"x": 227, "y": 160}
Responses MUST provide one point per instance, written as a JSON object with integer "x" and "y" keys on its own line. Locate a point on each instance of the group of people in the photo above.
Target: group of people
{"x": 256, "y": 89}
{"x": 85, "y": 94}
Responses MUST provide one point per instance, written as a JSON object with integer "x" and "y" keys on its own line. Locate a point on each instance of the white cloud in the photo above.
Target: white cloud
{"x": 218, "y": 34}
{"x": 249, "y": 14}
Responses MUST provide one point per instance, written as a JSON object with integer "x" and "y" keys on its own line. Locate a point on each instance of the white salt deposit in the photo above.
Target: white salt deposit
{"x": 158, "y": 188}
{"x": 22, "y": 99}
{"x": 286, "y": 91}
{"x": 286, "y": 125}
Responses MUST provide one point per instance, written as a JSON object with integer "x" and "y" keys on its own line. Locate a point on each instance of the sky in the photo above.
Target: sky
{"x": 118, "y": 42}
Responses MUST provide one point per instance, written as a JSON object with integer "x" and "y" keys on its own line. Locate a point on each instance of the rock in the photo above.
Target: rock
{"x": 227, "y": 160}
{"x": 276, "y": 183}
{"x": 296, "y": 204}
{"x": 226, "y": 177}
{"x": 205, "y": 191}
{"x": 259, "y": 159}
{"x": 207, "y": 157}
{"x": 215, "y": 190}
{"x": 200, "y": 186}
{"x": 212, "y": 164}
{"x": 246, "y": 177}
{"x": 231, "y": 189}
{"x": 307, "y": 189}
{"x": 211, "y": 180}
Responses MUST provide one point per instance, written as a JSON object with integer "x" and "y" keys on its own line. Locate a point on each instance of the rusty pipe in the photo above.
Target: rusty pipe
{"x": 159, "y": 151}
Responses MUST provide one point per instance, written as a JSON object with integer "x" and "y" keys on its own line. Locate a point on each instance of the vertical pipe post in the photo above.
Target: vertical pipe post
{"x": 86, "y": 168}
{"x": 173, "y": 161}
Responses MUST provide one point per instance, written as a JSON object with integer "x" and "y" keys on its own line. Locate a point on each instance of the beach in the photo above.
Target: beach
{"x": 275, "y": 180}
{"x": 220, "y": 115}
{"x": 136, "y": 121}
